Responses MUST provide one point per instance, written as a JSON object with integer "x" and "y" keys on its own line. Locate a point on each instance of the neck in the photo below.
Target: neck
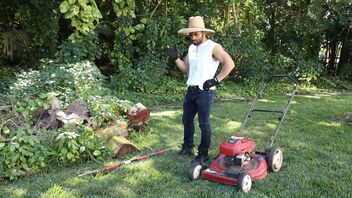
{"x": 204, "y": 40}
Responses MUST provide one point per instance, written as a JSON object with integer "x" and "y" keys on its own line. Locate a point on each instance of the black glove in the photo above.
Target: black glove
{"x": 210, "y": 83}
{"x": 172, "y": 52}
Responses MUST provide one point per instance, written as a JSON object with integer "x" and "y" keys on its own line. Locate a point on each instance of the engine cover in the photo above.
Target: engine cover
{"x": 237, "y": 145}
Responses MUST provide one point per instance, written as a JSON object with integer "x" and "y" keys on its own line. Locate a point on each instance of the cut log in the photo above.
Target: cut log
{"x": 78, "y": 108}
{"x": 121, "y": 146}
{"x": 138, "y": 116}
{"x": 120, "y": 129}
{"x": 54, "y": 118}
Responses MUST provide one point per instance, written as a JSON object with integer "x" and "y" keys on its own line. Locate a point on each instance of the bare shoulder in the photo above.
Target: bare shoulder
{"x": 217, "y": 48}
{"x": 219, "y": 53}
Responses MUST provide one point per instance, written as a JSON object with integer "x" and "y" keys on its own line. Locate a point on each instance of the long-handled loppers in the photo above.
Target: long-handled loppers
{"x": 115, "y": 166}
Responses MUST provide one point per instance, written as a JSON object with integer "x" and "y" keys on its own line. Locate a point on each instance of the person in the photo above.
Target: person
{"x": 201, "y": 63}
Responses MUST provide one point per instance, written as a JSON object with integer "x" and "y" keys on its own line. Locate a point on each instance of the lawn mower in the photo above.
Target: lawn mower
{"x": 238, "y": 163}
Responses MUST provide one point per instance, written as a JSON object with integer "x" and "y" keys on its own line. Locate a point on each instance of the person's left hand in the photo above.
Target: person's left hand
{"x": 210, "y": 83}
{"x": 172, "y": 53}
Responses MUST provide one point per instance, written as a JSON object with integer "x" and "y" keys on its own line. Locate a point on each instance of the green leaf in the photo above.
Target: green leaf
{"x": 46, "y": 106}
{"x": 69, "y": 15}
{"x": 23, "y": 159}
{"x": 139, "y": 27}
{"x": 5, "y": 130}
{"x": 83, "y": 2}
{"x": 72, "y": 1}
{"x": 96, "y": 153}
{"x": 43, "y": 96}
{"x": 15, "y": 157}
{"x": 144, "y": 20}
{"x": 63, "y": 151}
{"x": 31, "y": 141}
{"x": 70, "y": 156}
{"x": 82, "y": 149}
{"x": 64, "y": 7}
{"x": 75, "y": 10}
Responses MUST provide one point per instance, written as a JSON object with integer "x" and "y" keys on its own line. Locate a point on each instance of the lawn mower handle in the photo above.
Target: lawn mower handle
{"x": 282, "y": 112}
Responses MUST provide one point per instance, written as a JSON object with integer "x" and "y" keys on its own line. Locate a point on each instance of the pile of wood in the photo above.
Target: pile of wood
{"x": 54, "y": 118}
{"x": 115, "y": 134}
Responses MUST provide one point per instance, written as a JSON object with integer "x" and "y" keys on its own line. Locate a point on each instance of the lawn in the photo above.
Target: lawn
{"x": 316, "y": 139}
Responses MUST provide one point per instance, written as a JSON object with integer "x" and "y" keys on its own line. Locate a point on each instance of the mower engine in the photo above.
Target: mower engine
{"x": 237, "y": 150}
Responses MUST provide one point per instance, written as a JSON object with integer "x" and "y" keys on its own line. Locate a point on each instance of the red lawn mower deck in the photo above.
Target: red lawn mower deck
{"x": 238, "y": 163}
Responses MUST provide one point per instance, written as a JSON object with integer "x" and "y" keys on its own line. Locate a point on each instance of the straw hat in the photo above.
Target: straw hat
{"x": 196, "y": 24}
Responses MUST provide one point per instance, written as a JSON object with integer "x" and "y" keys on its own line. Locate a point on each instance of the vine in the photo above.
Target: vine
{"x": 82, "y": 13}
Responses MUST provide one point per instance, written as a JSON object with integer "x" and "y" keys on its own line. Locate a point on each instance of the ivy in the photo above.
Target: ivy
{"x": 82, "y": 13}
{"x": 124, "y": 7}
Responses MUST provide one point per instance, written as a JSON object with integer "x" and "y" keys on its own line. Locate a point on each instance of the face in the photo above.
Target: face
{"x": 197, "y": 38}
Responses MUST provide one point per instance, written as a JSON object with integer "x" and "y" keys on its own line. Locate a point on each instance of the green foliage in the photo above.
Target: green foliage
{"x": 7, "y": 75}
{"x": 66, "y": 82}
{"x": 124, "y": 7}
{"x": 329, "y": 83}
{"x": 38, "y": 19}
{"x": 82, "y": 13}
{"x": 23, "y": 153}
{"x": 78, "y": 144}
{"x": 103, "y": 105}
{"x": 150, "y": 73}
{"x": 307, "y": 70}
{"x": 248, "y": 53}
{"x": 85, "y": 47}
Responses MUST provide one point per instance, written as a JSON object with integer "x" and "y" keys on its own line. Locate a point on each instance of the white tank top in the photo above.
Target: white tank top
{"x": 202, "y": 64}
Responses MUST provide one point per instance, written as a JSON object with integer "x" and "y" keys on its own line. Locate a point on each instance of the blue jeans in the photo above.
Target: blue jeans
{"x": 199, "y": 102}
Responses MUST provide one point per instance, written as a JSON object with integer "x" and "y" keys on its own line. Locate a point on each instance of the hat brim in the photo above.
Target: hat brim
{"x": 186, "y": 31}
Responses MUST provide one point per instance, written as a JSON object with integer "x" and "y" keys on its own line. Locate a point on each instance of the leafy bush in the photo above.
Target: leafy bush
{"x": 151, "y": 71}
{"x": 7, "y": 75}
{"x": 82, "y": 48}
{"x": 83, "y": 15}
{"x": 67, "y": 82}
{"x": 36, "y": 88}
{"x": 21, "y": 154}
{"x": 78, "y": 144}
{"x": 39, "y": 20}
{"x": 248, "y": 53}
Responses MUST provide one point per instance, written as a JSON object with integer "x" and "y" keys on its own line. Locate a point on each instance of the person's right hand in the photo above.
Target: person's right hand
{"x": 172, "y": 53}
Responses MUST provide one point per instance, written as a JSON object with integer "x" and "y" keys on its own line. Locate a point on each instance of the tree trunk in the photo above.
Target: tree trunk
{"x": 250, "y": 18}
{"x": 330, "y": 68}
{"x": 271, "y": 32}
{"x": 226, "y": 16}
{"x": 235, "y": 16}
{"x": 345, "y": 62}
{"x": 239, "y": 14}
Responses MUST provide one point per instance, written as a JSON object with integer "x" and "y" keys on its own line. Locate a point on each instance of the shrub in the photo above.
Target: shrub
{"x": 83, "y": 48}
{"x": 248, "y": 53}
{"x": 78, "y": 144}
{"x": 21, "y": 154}
{"x": 151, "y": 71}
{"x": 36, "y": 88}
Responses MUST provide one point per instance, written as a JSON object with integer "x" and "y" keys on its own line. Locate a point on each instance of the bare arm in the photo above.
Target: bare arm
{"x": 220, "y": 54}
{"x": 183, "y": 64}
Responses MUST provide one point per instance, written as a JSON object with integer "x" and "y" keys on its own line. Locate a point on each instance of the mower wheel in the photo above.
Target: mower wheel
{"x": 244, "y": 182}
{"x": 275, "y": 159}
{"x": 195, "y": 171}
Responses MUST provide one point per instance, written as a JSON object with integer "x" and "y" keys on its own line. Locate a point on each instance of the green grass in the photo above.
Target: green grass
{"x": 315, "y": 136}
